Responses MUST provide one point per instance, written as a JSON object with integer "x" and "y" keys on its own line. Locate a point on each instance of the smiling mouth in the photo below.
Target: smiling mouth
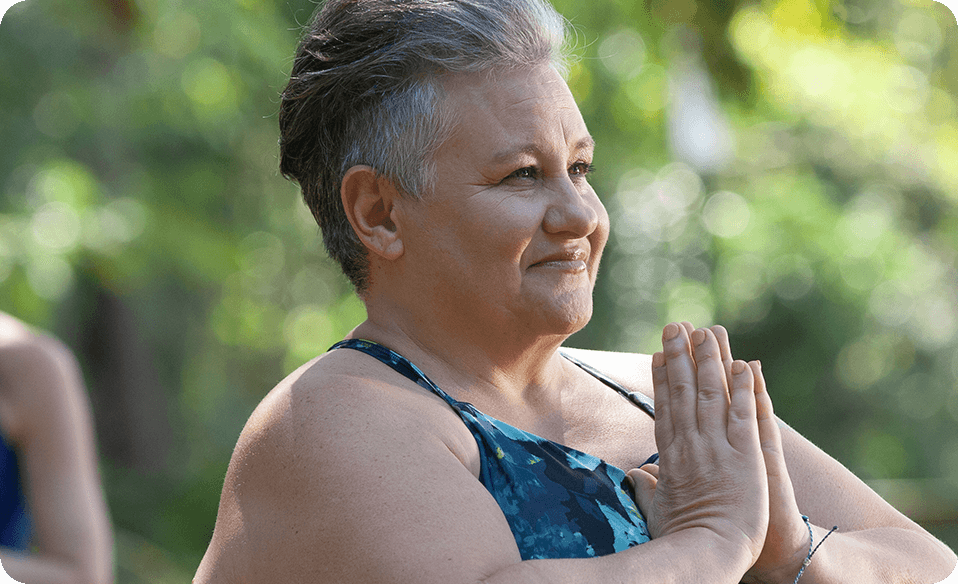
{"x": 569, "y": 261}
{"x": 572, "y": 266}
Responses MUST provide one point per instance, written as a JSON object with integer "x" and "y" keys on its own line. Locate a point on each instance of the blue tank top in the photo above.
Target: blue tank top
{"x": 14, "y": 518}
{"x": 559, "y": 502}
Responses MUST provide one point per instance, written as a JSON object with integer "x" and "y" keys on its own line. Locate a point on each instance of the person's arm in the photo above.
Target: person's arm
{"x": 874, "y": 543}
{"x": 336, "y": 480}
{"x": 27, "y": 568}
{"x": 46, "y": 406}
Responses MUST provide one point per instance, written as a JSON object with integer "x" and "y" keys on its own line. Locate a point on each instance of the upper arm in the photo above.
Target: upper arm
{"x": 359, "y": 490}
{"x": 56, "y": 444}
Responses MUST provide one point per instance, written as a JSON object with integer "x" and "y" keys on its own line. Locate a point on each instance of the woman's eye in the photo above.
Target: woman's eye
{"x": 581, "y": 168}
{"x": 527, "y": 172}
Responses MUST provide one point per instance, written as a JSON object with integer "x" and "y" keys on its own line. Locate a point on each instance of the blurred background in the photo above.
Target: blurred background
{"x": 787, "y": 168}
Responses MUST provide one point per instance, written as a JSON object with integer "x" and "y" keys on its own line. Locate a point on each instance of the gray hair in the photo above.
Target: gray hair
{"x": 366, "y": 88}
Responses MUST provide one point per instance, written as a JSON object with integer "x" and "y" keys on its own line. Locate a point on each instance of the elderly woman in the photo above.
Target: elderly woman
{"x": 450, "y": 439}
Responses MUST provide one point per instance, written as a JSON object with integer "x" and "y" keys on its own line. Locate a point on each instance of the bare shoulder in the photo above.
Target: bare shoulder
{"x": 41, "y": 381}
{"x": 632, "y": 370}
{"x": 307, "y": 461}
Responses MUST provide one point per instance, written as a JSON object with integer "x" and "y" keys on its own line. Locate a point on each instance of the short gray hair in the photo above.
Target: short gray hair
{"x": 366, "y": 88}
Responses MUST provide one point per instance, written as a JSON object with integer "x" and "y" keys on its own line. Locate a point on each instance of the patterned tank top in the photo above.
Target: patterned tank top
{"x": 559, "y": 502}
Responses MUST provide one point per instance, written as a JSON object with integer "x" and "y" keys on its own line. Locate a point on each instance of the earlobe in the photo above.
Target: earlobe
{"x": 368, "y": 199}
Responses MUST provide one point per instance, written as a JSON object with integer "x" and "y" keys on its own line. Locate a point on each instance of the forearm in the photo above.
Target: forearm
{"x": 33, "y": 569}
{"x": 678, "y": 558}
{"x": 884, "y": 555}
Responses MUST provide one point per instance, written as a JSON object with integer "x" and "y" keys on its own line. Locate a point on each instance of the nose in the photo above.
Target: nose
{"x": 573, "y": 210}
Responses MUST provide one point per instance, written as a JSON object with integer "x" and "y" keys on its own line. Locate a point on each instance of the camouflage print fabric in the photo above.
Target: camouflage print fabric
{"x": 559, "y": 502}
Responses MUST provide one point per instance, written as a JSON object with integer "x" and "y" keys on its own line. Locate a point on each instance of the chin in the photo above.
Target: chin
{"x": 567, "y": 314}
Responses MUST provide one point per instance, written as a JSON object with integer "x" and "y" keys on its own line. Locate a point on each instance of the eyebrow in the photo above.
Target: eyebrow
{"x": 587, "y": 143}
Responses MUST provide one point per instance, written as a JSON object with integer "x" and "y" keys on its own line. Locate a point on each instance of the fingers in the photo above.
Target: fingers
{"x": 742, "y": 429}
{"x": 664, "y": 431}
{"x": 787, "y": 537}
{"x": 712, "y": 396}
{"x": 681, "y": 375}
{"x": 767, "y": 425}
{"x": 643, "y": 486}
{"x": 690, "y": 382}
{"x": 768, "y": 430}
{"x": 721, "y": 335}
{"x": 652, "y": 469}
{"x": 762, "y": 401}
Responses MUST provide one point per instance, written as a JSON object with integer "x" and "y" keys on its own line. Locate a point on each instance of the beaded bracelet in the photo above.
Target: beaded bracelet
{"x": 811, "y": 551}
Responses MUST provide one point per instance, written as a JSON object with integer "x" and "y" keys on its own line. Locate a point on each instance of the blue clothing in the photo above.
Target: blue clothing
{"x": 14, "y": 518}
{"x": 559, "y": 502}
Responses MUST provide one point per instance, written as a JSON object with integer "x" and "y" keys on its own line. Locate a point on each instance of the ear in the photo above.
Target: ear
{"x": 368, "y": 199}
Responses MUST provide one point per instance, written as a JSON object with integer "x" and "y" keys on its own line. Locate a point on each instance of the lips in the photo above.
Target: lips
{"x": 569, "y": 259}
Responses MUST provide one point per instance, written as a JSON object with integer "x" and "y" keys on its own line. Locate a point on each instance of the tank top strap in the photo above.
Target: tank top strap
{"x": 640, "y": 400}
{"x": 398, "y": 363}
{"x": 408, "y": 369}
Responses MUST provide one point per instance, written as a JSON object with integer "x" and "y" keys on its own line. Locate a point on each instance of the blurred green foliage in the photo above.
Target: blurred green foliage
{"x": 787, "y": 168}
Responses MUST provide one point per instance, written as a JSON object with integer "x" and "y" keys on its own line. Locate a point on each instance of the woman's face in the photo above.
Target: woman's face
{"x": 512, "y": 232}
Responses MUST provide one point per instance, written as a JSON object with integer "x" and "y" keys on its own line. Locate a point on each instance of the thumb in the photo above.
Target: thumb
{"x": 643, "y": 485}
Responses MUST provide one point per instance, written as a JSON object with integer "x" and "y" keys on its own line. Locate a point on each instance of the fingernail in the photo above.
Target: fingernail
{"x": 670, "y": 331}
{"x": 738, "y": 367}
{"x": 698, "y": 336}
{"x": 658, "y": 359}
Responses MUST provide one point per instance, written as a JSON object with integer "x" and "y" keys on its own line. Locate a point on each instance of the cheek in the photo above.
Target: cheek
{"x": 505, "y": 245}
{"x": 506, "y": 229}
{"x": 480, "y": 249}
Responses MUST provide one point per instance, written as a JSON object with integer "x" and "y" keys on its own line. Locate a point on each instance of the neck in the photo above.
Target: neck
{"x": 472, "y": 362}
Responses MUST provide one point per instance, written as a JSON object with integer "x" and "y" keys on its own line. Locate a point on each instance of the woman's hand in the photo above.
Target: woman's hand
{"x": 786, "y": 543}
{"x": 711, "y": 470}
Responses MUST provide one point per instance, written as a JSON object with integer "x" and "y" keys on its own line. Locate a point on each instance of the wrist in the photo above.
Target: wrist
{"x": 729, "y": 555}
{"x": 785, "y": 570}
{"x": 794, "y": 569}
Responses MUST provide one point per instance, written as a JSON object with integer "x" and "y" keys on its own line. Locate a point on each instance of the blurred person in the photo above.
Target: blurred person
{"x": 450, "y": 438}
{"x": 54, "y": 527}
